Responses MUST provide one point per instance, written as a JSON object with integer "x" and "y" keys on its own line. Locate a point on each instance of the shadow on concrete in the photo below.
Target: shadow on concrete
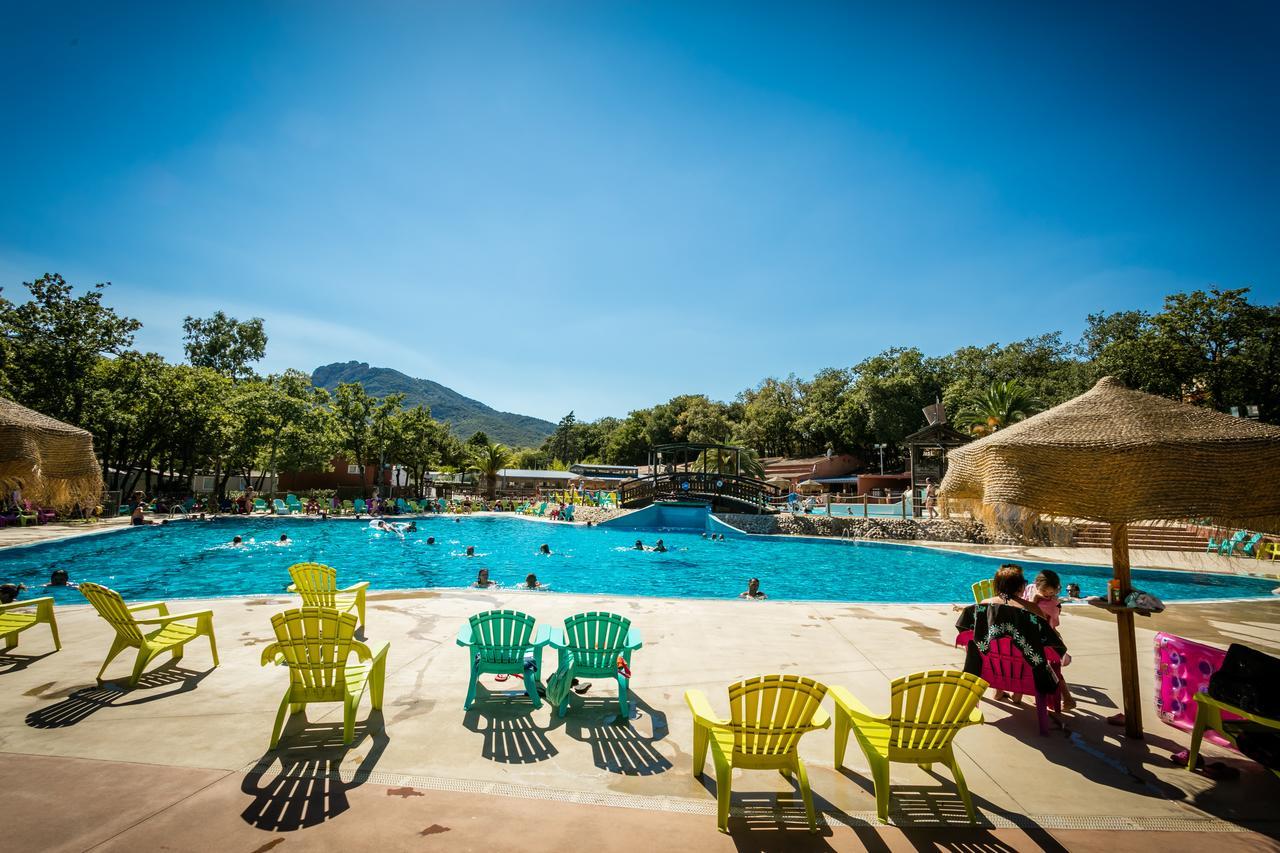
{"x": 303, "y": 783}
{"x": 87, "y": 701}
{"x": 510, "y": 735}
{"x": 10, "y": 662}
{"x": 617, "y": 746}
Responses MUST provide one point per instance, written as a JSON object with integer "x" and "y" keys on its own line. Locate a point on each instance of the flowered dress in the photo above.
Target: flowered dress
{"x": 1030, "y": 632}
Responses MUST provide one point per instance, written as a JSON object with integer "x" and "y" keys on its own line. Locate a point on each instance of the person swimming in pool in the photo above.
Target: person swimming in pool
{"x": 545, "y": 549}
{"x": 59, "y": 578}
{"x": 660, "y": 548}
{"x": 471, "y": 550}
{"x": 236, "y": 541}
{"x": 639, "y": 546}
{"x": 531, "y": 582}
{"x": 431, "y": 540}
{"x": 284, "y": 539}
{"x": 9, "y": 592}
{"x": 482, "y": 580}
{"x": 753, "y": 590}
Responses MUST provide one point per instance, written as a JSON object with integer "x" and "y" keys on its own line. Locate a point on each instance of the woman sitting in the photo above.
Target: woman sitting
{"x": 1007, "y": 614}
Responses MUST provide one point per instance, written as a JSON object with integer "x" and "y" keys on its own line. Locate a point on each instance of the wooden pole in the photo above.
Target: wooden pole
{"x": 1128, "y": 642}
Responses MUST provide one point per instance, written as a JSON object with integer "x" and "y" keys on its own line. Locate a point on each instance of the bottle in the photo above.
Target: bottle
{"x": 1113, "y": 591}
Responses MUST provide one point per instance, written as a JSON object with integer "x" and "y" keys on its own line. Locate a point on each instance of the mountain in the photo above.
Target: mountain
{"x": 464, "y": 414}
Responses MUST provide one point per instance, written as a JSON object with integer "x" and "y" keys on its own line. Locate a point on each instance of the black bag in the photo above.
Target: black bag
{"x": 1250, "y": 680}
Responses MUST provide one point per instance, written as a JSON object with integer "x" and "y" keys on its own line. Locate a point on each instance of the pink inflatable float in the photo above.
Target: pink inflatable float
{"x": 1183, "y": 668}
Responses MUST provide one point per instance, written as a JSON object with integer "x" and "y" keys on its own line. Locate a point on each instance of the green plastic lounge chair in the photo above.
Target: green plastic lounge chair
{"x": 1250, "y": 546}
{"x": 1209, "y": 713}
{"x": 259, "y": 505}
{"x": 767, "y": 717}
{"x": 13, "y": 622}
{"x": 348, "y": 507}
{"x": 567, "y": 515}
{"x": 498, "y": 642}
{"x": 360, "y": 506}
{"x": 170, "y": 634}
{"x": 982, "y": 590}
{"x": 316, "y": 643}
{"x": 596, "y": 641}
{"x": 318, "y": 586}
{"x": 279, "y": 507}
{"x": 295, "y": 505}
{"x": 542, "y": 509}
{"x": 926, "y": 710}
{"x": 1228, "y": 546}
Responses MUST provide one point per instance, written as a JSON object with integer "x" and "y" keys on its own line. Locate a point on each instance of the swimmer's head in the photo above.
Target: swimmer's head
{"x": 531, "y": 581}
{"x": 236, "y": 540}
{"x": 58, "y": 578}
{"x": 546, "y": 549}
{"x": 284, "y": 537}
{"x": 471, "y": 550}
{"x": 431, "y": 540}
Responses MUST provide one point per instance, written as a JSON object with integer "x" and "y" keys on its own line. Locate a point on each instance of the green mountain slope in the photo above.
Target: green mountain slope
{"x": 466, "y": 415}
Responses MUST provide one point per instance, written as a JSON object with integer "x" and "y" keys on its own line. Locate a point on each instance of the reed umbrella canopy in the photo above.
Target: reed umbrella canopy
{"x": 1116, "y": 455}
{"x": 51, "y": 462}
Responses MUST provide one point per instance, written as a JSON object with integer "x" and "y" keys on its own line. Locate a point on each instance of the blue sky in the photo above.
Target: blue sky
{"x": 595, "y": 206}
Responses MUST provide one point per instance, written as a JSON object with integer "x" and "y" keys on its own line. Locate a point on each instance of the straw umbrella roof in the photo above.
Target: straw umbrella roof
{"x": 1117, "y": 455}
{"x": 52, "y": 462}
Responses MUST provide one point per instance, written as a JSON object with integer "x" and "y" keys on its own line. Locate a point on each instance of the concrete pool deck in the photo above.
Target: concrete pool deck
{"x": 182, "y": 761}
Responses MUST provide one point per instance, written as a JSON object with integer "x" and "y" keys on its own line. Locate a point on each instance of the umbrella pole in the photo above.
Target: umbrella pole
{"x": 1128, "y": 641}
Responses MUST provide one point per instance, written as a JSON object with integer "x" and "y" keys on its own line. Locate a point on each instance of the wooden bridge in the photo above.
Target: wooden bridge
{"x": 730, "y": 492}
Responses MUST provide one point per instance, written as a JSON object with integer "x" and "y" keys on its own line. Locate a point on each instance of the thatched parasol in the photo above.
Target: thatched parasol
{"x": 52, "y": 462}
{"x": 1117, "y": 456}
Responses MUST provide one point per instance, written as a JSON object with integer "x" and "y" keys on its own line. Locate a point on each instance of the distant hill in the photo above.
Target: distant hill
{"x": 466, "y": 415}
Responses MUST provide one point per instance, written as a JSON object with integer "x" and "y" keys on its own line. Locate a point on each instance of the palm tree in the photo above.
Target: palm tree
{"x": 996, "y": 407}
{"x": 489, "y": 459}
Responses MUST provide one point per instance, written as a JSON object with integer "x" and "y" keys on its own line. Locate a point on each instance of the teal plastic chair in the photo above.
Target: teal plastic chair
{"x": 401, "y": 505}
{"x": 295, "y": 505}
{"x": 592, "y": 643}
{"x": 567, "y": 515}
{"x": 1250, "y": 546}
{"x": 1226, "y": 546}
{"x": 359, "y": 505}
{"x": 279, "y": 507}
{"x": 499, "y": 641}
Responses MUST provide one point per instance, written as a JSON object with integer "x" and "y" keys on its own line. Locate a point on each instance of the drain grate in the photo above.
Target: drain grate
{"x": 685, "y": 805}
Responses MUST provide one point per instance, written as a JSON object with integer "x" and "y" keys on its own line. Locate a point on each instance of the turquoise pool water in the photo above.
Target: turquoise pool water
{"x": 193, "y": 559}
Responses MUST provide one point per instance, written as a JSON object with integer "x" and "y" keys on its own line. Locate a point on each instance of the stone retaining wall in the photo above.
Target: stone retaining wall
{"x": 935, "y": 530}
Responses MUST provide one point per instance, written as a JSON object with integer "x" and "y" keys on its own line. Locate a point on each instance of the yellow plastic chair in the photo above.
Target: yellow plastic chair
{"x": 927, "y": 709}
{"x": 982, "y": 590}
{"x": 13, "y": 623}
{"x": 767, "y": 716}
{"x": 315, "y": 643}
{"x": 318, "y": 586}
{"x": 169, "y": 635}
{"x": 1209, "y": 716}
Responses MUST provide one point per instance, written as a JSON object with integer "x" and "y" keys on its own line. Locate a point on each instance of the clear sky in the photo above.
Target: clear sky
{"x": 595, "y": 206}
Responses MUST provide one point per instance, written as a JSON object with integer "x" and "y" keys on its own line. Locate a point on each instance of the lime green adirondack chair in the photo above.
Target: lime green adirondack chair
{"x": 318, "y": 586}
{"x": 767, "y": 717}
{"x": 498, "y": 641}
{"x": 927, "y": 709}
{"x": 982, "y": 590}
{"x": 316, "y": 643}
{"x": 13, "y": 623}
{"x": 348, "y": 507}
{"x": 1209, "y": 717}
{"x": 595, "y": 641}
{"x": 170, "y": 635}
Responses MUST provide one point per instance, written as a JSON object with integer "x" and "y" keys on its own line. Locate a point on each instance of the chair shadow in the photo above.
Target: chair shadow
{"x": 774, "y": 823}
{"x": 310, "y": 785}
{"x": 10, "y": 662}
{"x": 616, "y": 744}
{"x": 510, "y": 734}
{"x": 87, "y": 701}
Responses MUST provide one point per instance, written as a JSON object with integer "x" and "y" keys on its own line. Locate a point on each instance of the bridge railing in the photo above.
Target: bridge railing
{"x": 695, "y": 484}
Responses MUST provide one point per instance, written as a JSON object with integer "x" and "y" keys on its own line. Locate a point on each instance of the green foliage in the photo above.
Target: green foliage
{"x": 996, "y": 407}
{"x": 489, "y": 459}
{"x": 224, "y": 344}
{"x": 563, "y": 443}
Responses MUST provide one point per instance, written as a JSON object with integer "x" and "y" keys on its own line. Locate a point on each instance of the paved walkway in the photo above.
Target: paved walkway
{"x": 182, "y": 761}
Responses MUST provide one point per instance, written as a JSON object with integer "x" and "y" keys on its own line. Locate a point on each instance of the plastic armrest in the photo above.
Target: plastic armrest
{"x": 465, "y": 635}
{"x": 703, "y": 714}
{"x": 174, "y": 617}
{"x": 31, "y": 602}
{"x": 975, "y": 717}
{"x": 634, "y": 639}
{"x": 293, "y": 587}
{"x": 357, "y": 587}
{"x": 541, "y": 636}
{"x": 1239, "y": 712}
{"x": 557, "y": 639}
{"x": 821, "y": 719}
{"x": 848, "y": 704}
{"x": 271, "y": 654}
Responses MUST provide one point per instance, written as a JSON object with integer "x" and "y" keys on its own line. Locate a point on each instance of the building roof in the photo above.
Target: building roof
{"x": 531, "y": 473}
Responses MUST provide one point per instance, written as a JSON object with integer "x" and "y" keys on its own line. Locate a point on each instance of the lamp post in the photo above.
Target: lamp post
{"x": 881, "y": 448}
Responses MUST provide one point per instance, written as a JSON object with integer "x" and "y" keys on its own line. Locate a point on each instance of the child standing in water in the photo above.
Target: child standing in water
{"x": 1043, "y": 594}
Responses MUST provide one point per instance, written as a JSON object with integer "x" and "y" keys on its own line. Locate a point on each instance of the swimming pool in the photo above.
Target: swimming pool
{"x": 193, "y": 559}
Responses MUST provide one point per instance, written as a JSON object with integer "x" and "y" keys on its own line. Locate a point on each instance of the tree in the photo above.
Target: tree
{"x": 562, "y": 443}
{"x": 479, "y": 438}
{"x": 489, "y": 459}
{"x": 224, "y": 343}
{"x": 770, "y": 413}
{"x": 382, "y": 429}
{"x": 416, "y": 442}
{"x": 56, "y": 341}
{"x": 999, "y": 406}
{"x": 352, "y": 411}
